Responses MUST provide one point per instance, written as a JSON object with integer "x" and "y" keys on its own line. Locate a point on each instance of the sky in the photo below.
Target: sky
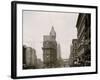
{"x": 36, "y": 24}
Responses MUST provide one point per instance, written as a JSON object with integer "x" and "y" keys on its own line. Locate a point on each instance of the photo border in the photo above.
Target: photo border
{"x": 14, "y": 38}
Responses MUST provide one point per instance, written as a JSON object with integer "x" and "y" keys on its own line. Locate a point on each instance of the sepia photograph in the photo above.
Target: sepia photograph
{"x": 53, "y": 39}
{"x": 56, "y": 39}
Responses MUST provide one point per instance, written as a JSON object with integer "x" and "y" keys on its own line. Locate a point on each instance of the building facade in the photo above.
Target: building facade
{"x": 40, "y": 64}
{"x": 82, "y": 55}
{"x": 29, "y": 58}
{"x": 50, "y": 50}
{"x": 24, "y": 56}
{"x": 65, "y": 62}
{"x": 84, "y": 39}
{"x": 59, "y": 59}
{"x": 33, "y": 59}
{"x": 73, "y": 53}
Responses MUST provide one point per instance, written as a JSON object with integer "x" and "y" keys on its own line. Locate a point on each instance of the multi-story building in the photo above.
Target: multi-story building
{"x": 40, "y": 64}
{"x": 59, "y": 59}
{"x": 84, "y": 39}
{"x": 71, "y": 56}
{"x": 73, "y": 53}
{"x": 58, "y": 52}
{"x": 50, "y": 50}
{"x": 65, "y": 62}
{"x": 29, "y": 58}
{"x": 24, "y": 56}
{"x": 34, "y": 59}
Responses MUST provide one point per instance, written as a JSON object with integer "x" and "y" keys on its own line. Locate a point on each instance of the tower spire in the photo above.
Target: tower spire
{"x": 52, "y": 32}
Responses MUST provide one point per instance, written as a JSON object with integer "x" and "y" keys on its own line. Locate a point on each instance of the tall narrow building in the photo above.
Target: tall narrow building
{"x": 50, "y": 50}
{"x": 58, "y": 52}
{"x": 59, "y": 59}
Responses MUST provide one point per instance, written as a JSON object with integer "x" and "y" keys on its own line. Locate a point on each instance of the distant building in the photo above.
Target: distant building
{"x": 58, "y": 52}
{"x": 73, "y": 53}
{"x": 71, "y": 56}
{"x": 34, "y": 59}
{"x": 66, "y": 62}
{"x": 24, "y": 56}
{"x": 59, "y": 59}
{"x": 50, "y": 50}
{"x": 40, "y": 64}
{"x": 29, "y": 58}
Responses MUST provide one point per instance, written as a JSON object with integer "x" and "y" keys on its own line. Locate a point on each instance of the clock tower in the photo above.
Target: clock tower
{"x": 53, "y": 33}
{"x": 50, "y": 49}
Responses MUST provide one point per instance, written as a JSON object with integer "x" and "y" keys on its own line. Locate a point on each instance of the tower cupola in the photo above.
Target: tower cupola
{"x": 53, "y": 33}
